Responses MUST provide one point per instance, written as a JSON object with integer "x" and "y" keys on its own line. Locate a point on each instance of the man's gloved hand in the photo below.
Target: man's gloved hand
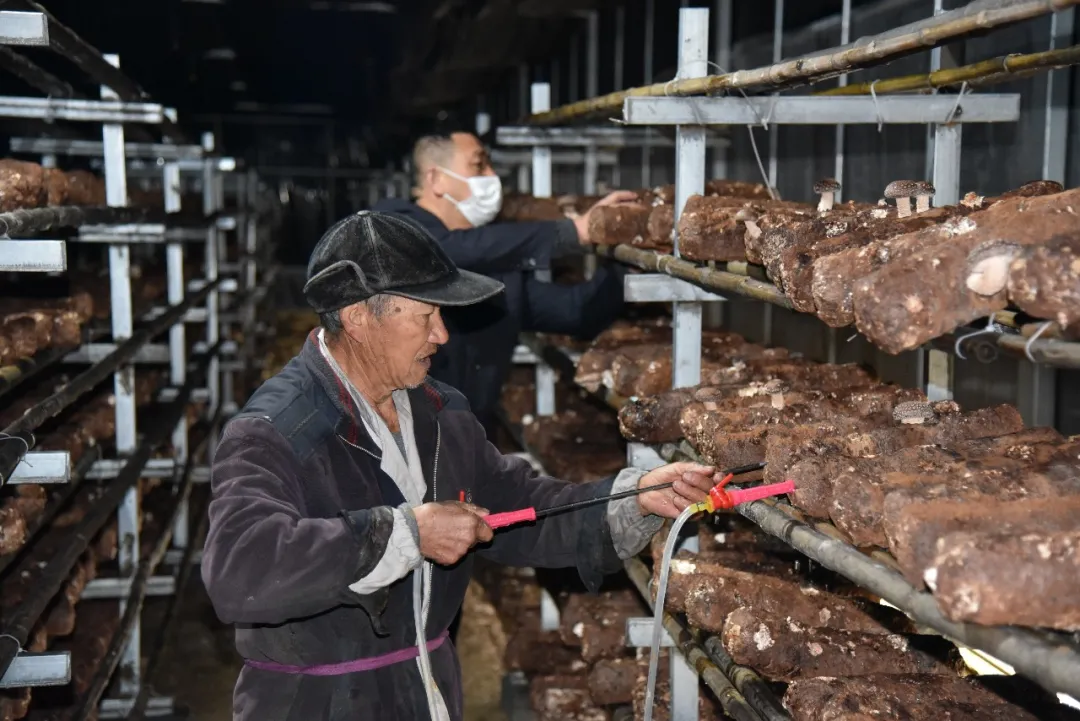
{"x": 448, "y": 530}
{"x": 692, "y": 485}
{"x": 582, "y": 221}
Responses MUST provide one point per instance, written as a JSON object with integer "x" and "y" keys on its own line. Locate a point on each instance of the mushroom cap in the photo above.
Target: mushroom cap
{"x": 902, "y": 189}
{"x": 826, "y": 185}
{"x": 992, "y": 249}
{"x": 914, "y": 412}
{"x": 745, "y": 214}
{"x": 923, "y": 188}
{"x": 776, "y": 386}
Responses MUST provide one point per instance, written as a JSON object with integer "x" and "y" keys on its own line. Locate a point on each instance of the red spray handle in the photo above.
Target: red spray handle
{"x": 498, "y": 520}
{"x": 720, "y": 498}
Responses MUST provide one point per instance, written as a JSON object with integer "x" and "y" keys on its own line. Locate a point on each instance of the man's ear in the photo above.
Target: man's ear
{"x": 433, "y": 180}
{"x": 354, "y": 318}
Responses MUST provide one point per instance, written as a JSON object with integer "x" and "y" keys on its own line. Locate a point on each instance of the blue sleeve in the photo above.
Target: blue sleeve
{"x": 508, "y": 247}
{"x": 583, "y": 309}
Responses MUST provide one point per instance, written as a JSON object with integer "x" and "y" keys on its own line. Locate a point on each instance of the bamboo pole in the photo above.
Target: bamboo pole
{"x": 707, "y": 278}
{"x": 978, "y": 16}
{"x": 985, "y": 72}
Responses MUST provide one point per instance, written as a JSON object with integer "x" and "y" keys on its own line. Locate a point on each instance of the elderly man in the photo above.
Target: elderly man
{"x": 458, "y": 195}
{"x": 349, "y": 491}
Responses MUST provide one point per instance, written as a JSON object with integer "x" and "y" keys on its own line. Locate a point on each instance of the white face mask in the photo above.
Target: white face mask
{"x": 485, "y": 201}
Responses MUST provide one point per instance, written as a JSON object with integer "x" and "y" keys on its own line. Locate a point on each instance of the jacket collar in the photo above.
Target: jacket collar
{"x": 426, "y": 401}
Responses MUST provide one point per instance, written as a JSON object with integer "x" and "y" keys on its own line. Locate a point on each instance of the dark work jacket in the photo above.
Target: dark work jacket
{"x": 301, "y": 509}
{"x": 478, "y": 357}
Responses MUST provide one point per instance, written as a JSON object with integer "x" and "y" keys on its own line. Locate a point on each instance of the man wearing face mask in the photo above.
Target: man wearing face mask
{"x": 458, "y": 195}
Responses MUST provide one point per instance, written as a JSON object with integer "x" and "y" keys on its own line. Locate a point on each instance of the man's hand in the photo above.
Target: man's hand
{"x": 448, "y": 530}
{"x": 692, "y": 484}
{"x": 616, "y": 198}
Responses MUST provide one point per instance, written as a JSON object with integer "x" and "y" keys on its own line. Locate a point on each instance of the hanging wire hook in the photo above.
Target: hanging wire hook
{"x": 991, "y": 328}
{"x": 772, "y": 107}
{"x": 1033, "y": 338}
{"x": 956, "y": 106}
{"x": 877, "y": 108}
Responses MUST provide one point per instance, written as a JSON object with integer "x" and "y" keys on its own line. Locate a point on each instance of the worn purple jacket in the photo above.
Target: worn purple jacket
{"x": 301, "y": 510}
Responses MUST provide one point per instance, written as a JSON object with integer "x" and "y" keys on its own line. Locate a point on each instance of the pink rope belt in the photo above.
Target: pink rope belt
{"x": 344, "y": 667}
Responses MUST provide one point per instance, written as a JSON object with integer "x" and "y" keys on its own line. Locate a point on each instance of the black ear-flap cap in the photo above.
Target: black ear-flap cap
{"x": 369, "y": 253}
{"x": 338, "y": 285}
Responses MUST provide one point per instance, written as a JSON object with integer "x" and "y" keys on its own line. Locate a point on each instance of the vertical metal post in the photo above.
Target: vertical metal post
{"x": 774, "y": 152}
{"x": 778, "y": 54}
{"x": 684, "y": 687}
{"x": 124, "y": 379}
{"x": 689, "y": 180}
{"x": 592, "y": 84}
{"x": 213, "y": 301}
{"x": 541, "y": 170}
{"x": 541, "y": 182}
{"x": 838, "y": 169}
{"x": 723, "y": 62}
{"x": 939, "y": 364}
{"x": 592, "y": 89}
{"x": 1037, "y": 389}
{"x": 935, "y": 65}
{"x": 174, "y": 259}
{"x": 845, "y": 38}
{"x": 647, "y": 54}
{"x": 713, "y": 313}
{"x": 686, "y": 343}
{"x": 620, "y": 77}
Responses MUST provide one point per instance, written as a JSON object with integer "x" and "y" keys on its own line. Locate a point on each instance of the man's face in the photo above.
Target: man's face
{"x": 397, "y": 348}
{"x": 470, "y": 159}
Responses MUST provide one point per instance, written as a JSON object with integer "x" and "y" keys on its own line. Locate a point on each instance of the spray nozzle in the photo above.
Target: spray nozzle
{"x": 722, "y": 499}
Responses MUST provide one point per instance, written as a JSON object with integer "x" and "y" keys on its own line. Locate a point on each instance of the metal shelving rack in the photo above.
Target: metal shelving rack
{"x": 199, "y": 377}
{"x": 1049, "y": 660}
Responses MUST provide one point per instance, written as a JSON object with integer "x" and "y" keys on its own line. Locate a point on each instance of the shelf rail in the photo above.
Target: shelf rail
{"x": 11, "y": 451}
{"x": 56, "y": 569}
{"x": 977, "y": 16}
{"x": 1049, "y": 659}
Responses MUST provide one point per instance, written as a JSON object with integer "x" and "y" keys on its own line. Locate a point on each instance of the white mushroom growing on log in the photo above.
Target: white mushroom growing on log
{"x": 923, "y": 192}
{"x": 914, "y": 413}
{"x": 988, "y": 266}
{"x": 827, "y": 189}
{"x": 902, "y": 192}
{"x": 749, "y": 218}
{"x": 776, "y": 390}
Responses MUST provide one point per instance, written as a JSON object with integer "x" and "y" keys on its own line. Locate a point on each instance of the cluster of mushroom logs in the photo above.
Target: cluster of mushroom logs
{"x": 902, "y": 272}
{"x": 972, "y": 506}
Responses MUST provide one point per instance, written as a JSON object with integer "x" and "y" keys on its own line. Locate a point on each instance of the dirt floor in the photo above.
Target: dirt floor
{"x": 200, "y": 664}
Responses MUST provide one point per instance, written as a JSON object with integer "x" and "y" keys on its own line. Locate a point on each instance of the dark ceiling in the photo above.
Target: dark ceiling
{"x": 348, "y": 82}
